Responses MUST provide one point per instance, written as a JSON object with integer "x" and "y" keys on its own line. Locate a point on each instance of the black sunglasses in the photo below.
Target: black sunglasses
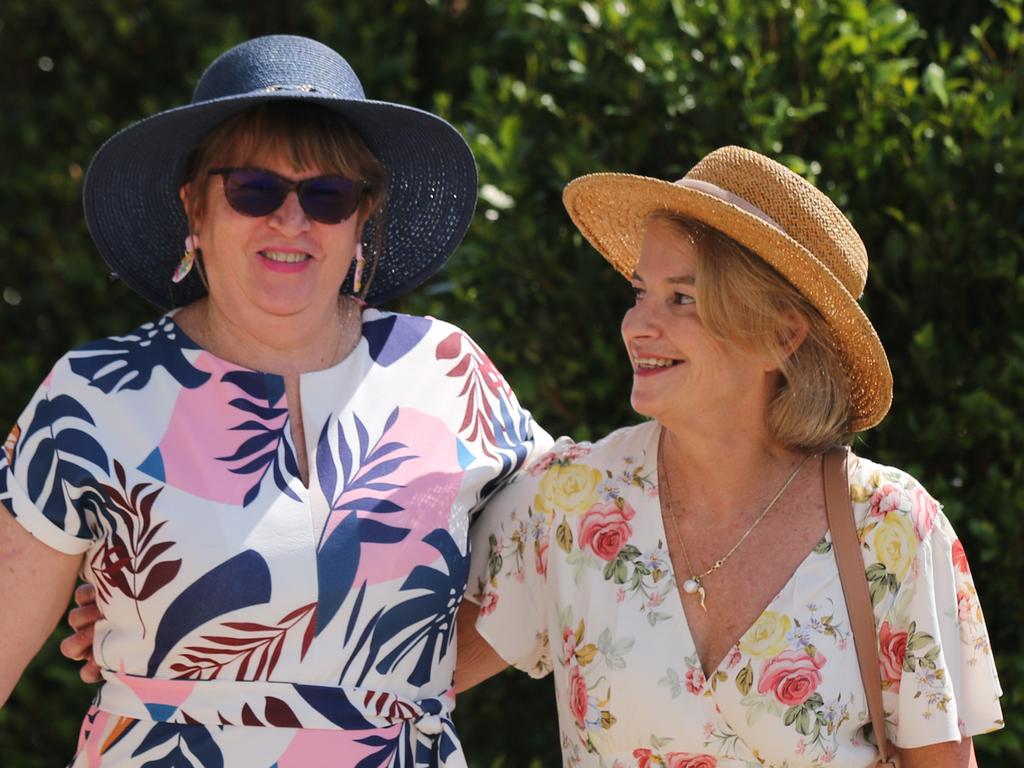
{"x": 258, "y": 192}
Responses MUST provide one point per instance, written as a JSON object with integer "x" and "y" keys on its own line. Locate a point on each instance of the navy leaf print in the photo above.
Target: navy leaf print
{"x": 336, "y": 708}
{"x": 392, "y": 337}
{"x": 339, "y": 550}
{"x": 431, "y": 611}
{"x": 267, "y": 448}
{"x": 240, "y": 582}
{"x": 128, "y": 362}
{"x": 197, "y": 738}
{"x": 58, "y": 455}
{"x": 512, "y": 438}
{"x": 380, "y": 758}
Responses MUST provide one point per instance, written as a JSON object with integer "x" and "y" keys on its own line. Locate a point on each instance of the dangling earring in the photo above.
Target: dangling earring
{"x": 357, "y": 279}
{"x": 188, "y": 260}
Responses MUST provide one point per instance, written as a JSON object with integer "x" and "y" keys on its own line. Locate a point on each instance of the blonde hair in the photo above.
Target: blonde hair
{"x": 310, "y": 135}
{"x": 743, "y": 301}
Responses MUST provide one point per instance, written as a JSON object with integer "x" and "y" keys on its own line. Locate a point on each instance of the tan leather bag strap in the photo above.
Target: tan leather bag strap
{"x": 847, "y": 550}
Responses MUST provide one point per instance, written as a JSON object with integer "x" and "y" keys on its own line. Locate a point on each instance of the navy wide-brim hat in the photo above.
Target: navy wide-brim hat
{"x": 131, "y": 188}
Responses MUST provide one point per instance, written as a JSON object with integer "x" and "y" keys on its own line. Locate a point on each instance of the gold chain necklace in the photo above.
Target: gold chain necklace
{"x": 695, "y": 584}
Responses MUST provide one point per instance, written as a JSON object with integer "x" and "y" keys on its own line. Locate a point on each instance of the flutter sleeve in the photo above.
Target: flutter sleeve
{"x": 509, "y": 569}
{"x": 938, "y": 676}
{"x": 44, "y": 466}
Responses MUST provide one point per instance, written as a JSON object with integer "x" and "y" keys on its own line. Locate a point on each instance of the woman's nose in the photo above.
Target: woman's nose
{"x": 639, "y": 321}
{"x": 290, "y": 217}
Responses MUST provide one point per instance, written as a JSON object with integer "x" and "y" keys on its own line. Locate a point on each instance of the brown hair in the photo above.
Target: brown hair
{"x": 743, "y": 301}
{"x": 311, "y": 135}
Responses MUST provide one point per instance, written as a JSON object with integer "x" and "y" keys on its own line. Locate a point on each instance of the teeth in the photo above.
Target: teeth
{"x": 286, "y": 258}
{"x": 653, "y": 362}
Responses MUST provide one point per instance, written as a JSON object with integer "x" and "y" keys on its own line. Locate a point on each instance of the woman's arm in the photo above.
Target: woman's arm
{"x": 476, "y": 660}
{"x": 35, "y": 584}
{"x": 949, "y": 754}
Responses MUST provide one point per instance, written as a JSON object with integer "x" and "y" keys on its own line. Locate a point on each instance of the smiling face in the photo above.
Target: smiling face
{"x": 281, "y": 264}
{"x": 682, "y": 375}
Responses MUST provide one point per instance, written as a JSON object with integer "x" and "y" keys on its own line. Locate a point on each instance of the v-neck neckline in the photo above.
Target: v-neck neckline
{"x": 662, "y": 531}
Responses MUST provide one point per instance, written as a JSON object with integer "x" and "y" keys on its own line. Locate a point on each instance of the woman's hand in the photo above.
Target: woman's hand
{"x": 476, "y": 660}
{"x": 949, "y": 754}
{"x": 78, "y": 646}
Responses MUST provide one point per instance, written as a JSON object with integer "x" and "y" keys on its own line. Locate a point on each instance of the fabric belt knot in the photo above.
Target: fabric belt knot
{"x": 429, "y": 725}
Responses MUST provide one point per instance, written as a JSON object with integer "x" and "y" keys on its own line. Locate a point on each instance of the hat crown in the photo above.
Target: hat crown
{"x": 278, "y": 63}
{"x": 806, "y": 214}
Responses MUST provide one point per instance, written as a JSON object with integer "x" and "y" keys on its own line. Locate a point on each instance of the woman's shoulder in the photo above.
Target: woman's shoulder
{"x": 891, "y": 497}
{"x": 391, "y": 335}
{"x": 128, "y": 361}
{"x": 624, "y": 445}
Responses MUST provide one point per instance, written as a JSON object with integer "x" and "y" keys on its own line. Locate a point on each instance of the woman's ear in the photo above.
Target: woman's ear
{"x": 793, "y": 333}
{"x": 184, "y": 192}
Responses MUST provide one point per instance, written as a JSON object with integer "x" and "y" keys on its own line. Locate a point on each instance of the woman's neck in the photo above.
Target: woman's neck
{"x": 725, "y": 472}
{"x": 287, "y": 345}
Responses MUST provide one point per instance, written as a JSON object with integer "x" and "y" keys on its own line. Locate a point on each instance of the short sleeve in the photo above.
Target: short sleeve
{"x": 508, "y": 570}
{"x": 938, "y": 674}
{"x": 39, "y": 483}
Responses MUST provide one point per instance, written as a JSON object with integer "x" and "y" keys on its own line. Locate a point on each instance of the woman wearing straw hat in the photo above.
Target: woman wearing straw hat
{"x": 274, "y": 521}
{"x": 678, "y": 577}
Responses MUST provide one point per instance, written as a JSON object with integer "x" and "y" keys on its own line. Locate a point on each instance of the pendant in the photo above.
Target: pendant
{"x": 693, "y": 586}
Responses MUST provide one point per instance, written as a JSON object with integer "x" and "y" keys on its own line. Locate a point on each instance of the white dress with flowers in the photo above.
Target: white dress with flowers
{"x": 571, "y": 569}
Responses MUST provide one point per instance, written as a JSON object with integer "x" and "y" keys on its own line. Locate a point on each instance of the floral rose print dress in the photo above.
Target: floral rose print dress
{"x": 252, "y": 621}
{"x": 572, "y": 573}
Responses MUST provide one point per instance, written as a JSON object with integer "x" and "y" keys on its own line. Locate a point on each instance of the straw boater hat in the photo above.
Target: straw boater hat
{"x": 776, "y": 214}
{"x": 131, "y": 188}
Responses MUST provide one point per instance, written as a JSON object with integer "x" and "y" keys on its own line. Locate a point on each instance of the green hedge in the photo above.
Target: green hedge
{"x": 908, "y": 116}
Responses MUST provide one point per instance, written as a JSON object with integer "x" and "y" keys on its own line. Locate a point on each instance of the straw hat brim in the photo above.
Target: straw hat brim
{"x": 611, "y": 210}
{"x": 132, "y": 209}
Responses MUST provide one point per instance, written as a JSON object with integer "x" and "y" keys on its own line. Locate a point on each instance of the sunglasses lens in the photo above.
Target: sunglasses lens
{"x": 329, "y": 199}
{"x": 253, "y": 192}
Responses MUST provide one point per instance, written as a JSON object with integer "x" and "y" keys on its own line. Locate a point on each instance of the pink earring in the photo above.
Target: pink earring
{"x": 357, "y": 279}
{"x": 188, "y": 260}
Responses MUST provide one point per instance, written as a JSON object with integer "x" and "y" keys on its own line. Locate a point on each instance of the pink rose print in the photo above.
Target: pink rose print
{"x": 964, "y": 605}
{"x": 695, "y": 681}
{"x": 924, "y": 510}
{"x": 733, "y": 657}
{"x": 541, "y": 561}
{"x": 573, "y": 452}
{"x": 688, "y": 760}
{"x": 568, "y": 642}
{"x": 885, "y": 499}
{"x": 605, "y": 529}
{"x": 892, "y": 650}
{"x": 643, "y": 758}
{"x": 578, "y": 701}
{"x": 540, "y": 466}
{"x": 960, "y": 558}
{"x": 792, "y": 676}
{"x": 489, "y": 603}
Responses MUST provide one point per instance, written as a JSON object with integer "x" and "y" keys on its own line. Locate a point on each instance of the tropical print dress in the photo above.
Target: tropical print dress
{"x": 249, "y": 620}
{"x": 572, "y": 573}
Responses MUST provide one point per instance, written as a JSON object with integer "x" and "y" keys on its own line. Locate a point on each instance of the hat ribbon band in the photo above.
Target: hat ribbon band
{"x": 733, "y": 199}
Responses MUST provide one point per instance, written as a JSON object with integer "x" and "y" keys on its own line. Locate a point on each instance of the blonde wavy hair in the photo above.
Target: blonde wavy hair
{"x": 743, "y": 301}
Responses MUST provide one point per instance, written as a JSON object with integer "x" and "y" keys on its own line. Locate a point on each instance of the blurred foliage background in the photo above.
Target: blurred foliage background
{"x": 907, "y": 114}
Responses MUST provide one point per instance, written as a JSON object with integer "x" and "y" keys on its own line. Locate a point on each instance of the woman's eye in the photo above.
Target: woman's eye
{"x": 638, "y": 293}
{"x": 683, "y": 299}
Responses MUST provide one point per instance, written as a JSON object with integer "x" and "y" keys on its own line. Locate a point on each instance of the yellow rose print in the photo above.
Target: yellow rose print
{"x": 896, "y": 544}
{"x": 767, "y": 638}
{"x": 570, "y": 489}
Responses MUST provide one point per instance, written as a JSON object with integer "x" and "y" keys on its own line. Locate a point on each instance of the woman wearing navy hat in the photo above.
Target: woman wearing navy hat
{"x": 273, "y": 517}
